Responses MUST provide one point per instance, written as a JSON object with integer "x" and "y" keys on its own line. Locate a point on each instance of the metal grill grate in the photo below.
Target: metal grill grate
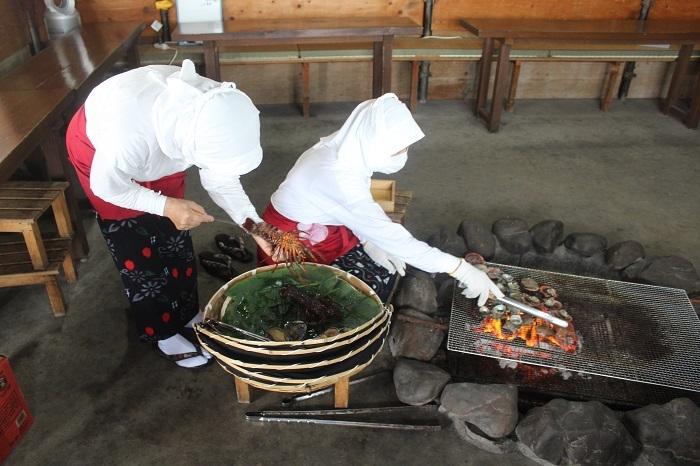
{"x": 629, "y": 331}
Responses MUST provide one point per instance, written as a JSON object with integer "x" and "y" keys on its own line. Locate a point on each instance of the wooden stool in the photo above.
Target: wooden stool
{"x": 341, "y": 392}
{"x": 36, "y": 261}
{"x": 401, "y": 202}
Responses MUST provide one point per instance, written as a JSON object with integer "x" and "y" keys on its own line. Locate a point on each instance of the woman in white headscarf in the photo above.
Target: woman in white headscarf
{"x": 326, "y": 197}
{"x": 130, "y": 145}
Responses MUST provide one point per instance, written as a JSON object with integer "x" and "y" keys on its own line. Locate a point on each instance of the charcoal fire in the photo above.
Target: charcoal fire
{"x": 506, "y": 323}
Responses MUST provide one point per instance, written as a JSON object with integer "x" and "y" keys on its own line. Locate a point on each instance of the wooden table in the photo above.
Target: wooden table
{"x": 41, "y": 94}
{"x": 26, "y": 120}
{"x": 380, "y": 31}
{"x": 79, "y": 60}
{"x": 506, "y": 31}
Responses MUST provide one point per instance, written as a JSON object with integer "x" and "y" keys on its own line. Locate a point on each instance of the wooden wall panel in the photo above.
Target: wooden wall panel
{"x": 675, "y": 9}
{"x": 144, "y": 10}
{"x": 234, "y": 9}
{"x": 14, "y": 34}
{"x": 447, "y": 12}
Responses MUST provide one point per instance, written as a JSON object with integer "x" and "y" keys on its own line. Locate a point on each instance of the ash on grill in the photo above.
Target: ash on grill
{"x": 506, "y": 323}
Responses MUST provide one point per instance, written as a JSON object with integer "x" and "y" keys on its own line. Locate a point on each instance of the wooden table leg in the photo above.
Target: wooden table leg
{"x": 61, "y": 216}
{"x": 211, "y": 60}
{"x": 54, "y": 150}
{"x": 609, "y": 89}
{"x": 482, "y": 85}
{"x": 35, "y": 246}
{"x": 242, "y": 391}
{"x": 341, "y": 392}
{"x": 53, "y": 289}
{"x": 499, "y": 88}
{"x": 305, "y": 98}
{"x": 693, "y": 117}
{"x": 377, "y": 67}
{"x": 514, "y": 77}
{"x": 679, "y": 72}
{"x": 133, "y": 58}
{"x": 413, "y": 96}
{"x": 387, "y": 54}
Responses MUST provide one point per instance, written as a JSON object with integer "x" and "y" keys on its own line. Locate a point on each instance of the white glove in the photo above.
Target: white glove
{"x": 392, "y": 263}
{"x": 475, "y": 282}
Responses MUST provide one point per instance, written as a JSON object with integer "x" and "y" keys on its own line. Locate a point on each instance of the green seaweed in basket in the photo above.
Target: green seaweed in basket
{"x": 297, "y": 306}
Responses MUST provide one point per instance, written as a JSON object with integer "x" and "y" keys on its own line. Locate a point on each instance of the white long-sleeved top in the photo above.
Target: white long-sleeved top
{"x": 330, "y": 183}
{"x": 156, "y": 121}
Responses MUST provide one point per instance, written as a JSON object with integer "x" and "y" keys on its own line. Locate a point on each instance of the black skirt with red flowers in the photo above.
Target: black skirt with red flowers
{"x": 158, "y": 270}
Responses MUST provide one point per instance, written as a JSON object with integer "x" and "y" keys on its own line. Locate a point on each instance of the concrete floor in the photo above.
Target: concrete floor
{"x": 100, "y": 397}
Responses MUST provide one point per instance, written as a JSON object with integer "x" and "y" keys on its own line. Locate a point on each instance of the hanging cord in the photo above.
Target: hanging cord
{"x": 174, "y": 55}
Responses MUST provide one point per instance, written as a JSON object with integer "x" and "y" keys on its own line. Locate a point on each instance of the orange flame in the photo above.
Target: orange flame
{"x": 567, "y": 341}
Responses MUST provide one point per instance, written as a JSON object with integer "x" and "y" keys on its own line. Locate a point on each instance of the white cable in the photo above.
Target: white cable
{"x": 174, "y": 56}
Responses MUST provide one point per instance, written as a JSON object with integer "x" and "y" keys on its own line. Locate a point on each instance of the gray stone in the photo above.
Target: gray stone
{"x": 418, "y": 383}
{"x": 477, "y": 238}
{"x": 415, "y": 314}
{"x": 504, "y": 257}
{"x": 417, "y": 291}
{"x": 624, "y": 254}
{"x": 411, "y": 340}
{"x": 492, "y": 408}
{"x": 547, "y": 235}
{"x": 586, "y": 244}
{"x": 669, "y": 434}
{"x": 568, "y": 432}
{"x": 438, "y": 239}
{"x": 513, "y": 235}
{"x": 632, "y": 271}
{"x": 466, "y": 433}
{"x": 672, "y": 271}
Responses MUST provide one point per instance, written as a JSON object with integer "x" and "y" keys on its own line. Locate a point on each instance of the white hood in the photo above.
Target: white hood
{"x": 211, "y": 125}
{"x": 375, "y": 130}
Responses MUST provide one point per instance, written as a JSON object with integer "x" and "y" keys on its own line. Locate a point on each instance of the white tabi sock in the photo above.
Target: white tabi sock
{"x": 177, "y": 344}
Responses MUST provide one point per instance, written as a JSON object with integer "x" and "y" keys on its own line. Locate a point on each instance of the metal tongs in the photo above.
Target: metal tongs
{"x": 534, "y": 312}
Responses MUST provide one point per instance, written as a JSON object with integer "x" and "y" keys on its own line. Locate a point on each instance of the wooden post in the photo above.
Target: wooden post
{"x": 482, "y": 85}
{"x": 610, "y": 85}
{"x": 387, "y": 53}
{"x": 494, "y": 120}
{"x": 514, "y": 77}
{"x": 679, "y": 72}
{"x": 242, "y": 391}
{"x": 413, "y": 99}
{"x": 693, "y": 117}
{"x": 305, "y": 98}
{"x": 377, "y": 62}
{"x": 211, "y": 60}
{"x": 342, "y": 392}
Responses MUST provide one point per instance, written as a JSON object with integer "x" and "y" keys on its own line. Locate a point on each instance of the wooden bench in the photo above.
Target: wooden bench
{"x": 414, "y": 50}
{"x": 18, "y": 270}
{"x": 36, "y": 260}
{"x": 506, "y": 32}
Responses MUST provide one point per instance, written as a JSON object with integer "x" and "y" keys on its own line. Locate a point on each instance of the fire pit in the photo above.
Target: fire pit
{"x": 628, "y": 331}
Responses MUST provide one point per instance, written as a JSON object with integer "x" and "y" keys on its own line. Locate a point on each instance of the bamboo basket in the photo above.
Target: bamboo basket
{"x": 295, "y": 366}
{"x": 214, "y": 309}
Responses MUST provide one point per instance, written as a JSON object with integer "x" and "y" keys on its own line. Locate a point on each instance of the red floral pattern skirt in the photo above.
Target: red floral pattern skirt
{"x": 158, "y": 270}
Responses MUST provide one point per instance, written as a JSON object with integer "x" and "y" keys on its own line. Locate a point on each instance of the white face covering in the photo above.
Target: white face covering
{"x": 394, "y": 164}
